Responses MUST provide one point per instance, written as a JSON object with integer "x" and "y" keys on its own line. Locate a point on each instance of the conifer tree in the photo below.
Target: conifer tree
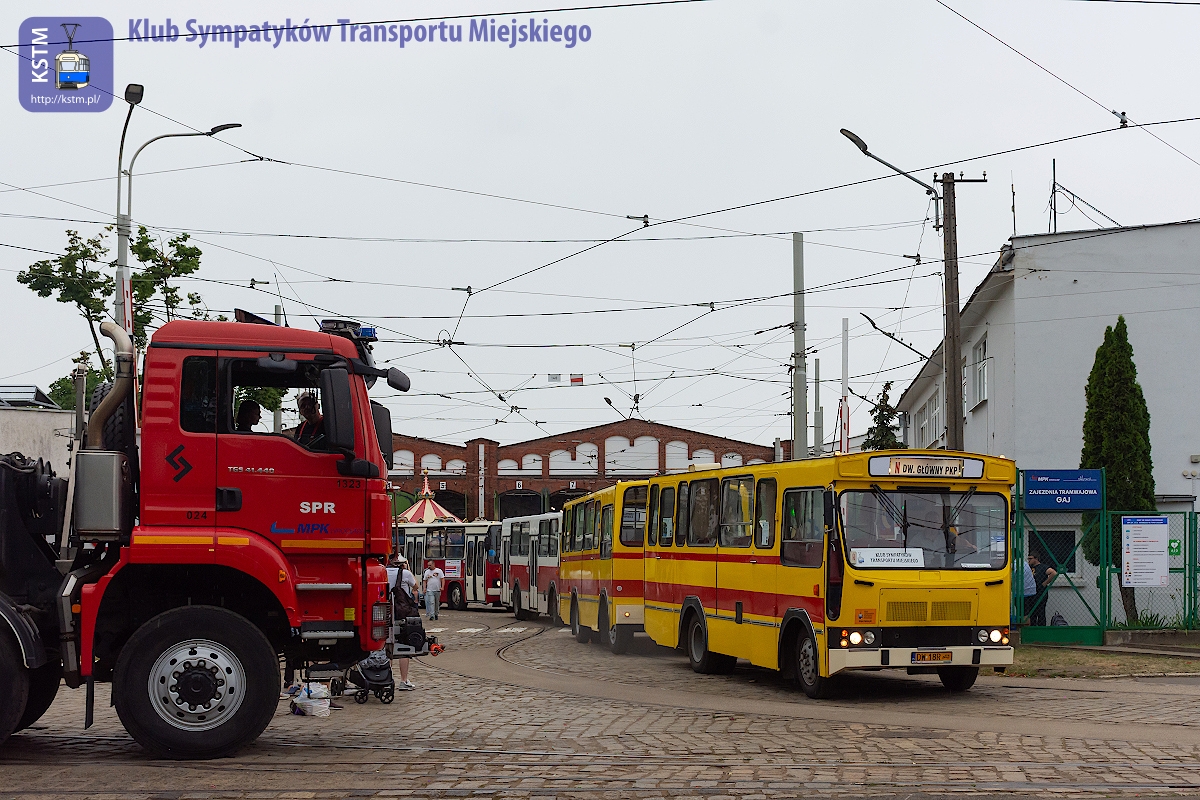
{"x": 1116, "y": 437}
{"x": 882, "y": 433}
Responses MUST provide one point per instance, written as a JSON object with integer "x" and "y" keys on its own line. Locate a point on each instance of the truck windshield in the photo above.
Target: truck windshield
{"x": 924, "y": 529}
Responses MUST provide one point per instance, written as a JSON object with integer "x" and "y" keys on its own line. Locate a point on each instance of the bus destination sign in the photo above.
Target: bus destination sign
{"x": 908, "y": 467}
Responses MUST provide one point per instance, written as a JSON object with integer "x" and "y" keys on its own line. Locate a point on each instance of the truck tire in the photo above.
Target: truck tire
{"x": 196, "y": 682}
{"x": 43, "y": 688}
{"x": 116, "y": 428}
{"x": 14, "y": 684}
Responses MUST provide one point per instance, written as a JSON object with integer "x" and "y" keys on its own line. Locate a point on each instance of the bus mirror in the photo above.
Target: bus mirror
{"x": 337, "y": 409}
{"x": 830, "y": 512}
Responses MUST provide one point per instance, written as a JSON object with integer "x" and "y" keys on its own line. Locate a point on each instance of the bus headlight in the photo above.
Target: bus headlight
{"x": 855, "y": 637}
{"x": 995, "y": 636}
{"x": 869, "y": 637}
{"x": 982, "y": 636}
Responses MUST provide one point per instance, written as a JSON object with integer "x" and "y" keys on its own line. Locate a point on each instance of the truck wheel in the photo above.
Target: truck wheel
{"x": 43, "y": 687}
{"x": 14, "y": 684}
{"x": 196, "y": 682}
{"x": 458, "y": 600}
{"x": 958, "y": 679}
{"x": 808, "y": 668}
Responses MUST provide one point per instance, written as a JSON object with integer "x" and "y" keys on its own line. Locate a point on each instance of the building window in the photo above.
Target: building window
{"x": 979, "y": 370}
{"x": 935, "y": 418}
{"x": 921, "y": 426}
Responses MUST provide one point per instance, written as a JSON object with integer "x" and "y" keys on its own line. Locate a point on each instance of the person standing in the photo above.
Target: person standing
{"x": 1043, "y": 576}
{"x": 432, "y": 579}
{"x": 1031, "y": 589}
{"x": 404, "y": 587}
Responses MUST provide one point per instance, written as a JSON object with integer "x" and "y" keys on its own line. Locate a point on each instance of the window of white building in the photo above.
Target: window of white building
{"x": 979, "y": 370}
{"x": 921, "y": 427}
{"x": 935, "y": 418}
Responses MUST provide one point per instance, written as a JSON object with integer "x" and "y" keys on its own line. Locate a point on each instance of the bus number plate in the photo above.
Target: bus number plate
{"x": 932, "y": 658}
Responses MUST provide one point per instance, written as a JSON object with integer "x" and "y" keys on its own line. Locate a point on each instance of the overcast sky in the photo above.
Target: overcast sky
{"x": 666, "y": 111}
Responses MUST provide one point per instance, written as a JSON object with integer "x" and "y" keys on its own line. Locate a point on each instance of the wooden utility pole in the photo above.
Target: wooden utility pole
{"x": 951, "y": 345}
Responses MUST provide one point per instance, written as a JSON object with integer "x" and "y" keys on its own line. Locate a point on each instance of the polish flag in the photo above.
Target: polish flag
{"x": 577, "y": 380}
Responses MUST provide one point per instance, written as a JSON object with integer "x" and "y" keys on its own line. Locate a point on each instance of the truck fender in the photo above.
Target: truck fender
{"x": 33, "y": 654}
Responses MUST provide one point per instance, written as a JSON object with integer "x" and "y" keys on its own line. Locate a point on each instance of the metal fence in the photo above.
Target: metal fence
{"x": 1080, "y": 595}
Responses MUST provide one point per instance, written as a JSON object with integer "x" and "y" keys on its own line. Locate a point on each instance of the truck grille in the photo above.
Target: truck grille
{"x": 907, "y": 611}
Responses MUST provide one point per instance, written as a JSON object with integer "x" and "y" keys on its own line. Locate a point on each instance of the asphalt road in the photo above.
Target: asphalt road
{"x": 519, "y": 709}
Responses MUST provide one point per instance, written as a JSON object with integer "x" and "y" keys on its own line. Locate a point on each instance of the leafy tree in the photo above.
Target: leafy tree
{"x": 1116, "y": 437}
{"x": 160, "y": 265}
{"x": 62, "y": 391}
{"x": 72, "y": 278}
{"x": 882, "y": 433}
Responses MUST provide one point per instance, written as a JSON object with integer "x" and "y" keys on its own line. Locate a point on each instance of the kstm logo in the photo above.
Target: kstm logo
{"x": 316, "y": 508}
{"x": 179, "y": 463}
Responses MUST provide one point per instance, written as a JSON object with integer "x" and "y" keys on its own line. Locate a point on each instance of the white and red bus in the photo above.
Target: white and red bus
{"x": 529, "y": 564}
{"x": 468, "y": 553}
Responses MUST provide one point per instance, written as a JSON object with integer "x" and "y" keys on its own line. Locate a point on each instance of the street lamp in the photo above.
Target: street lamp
{"x": 951, "y": 347}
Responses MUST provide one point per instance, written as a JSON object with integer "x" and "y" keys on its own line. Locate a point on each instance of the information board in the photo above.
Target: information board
{"x": 1144, "y": 551}
{"x": 1062, "y": 489}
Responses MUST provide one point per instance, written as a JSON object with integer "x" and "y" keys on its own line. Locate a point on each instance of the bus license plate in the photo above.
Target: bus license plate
{"x": 932, "y": 658}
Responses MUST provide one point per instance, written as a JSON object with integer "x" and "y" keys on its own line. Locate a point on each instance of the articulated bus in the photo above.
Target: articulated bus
{"x": 468, "y": 553}
{"x": 600, "y": 587}
{"x": 529, "y": 564}
{"x": 862, "y": 561}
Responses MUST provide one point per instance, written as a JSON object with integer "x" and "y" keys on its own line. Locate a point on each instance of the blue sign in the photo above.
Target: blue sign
{"x": 65, "y": 64}
{"x": 1069, "y": 489}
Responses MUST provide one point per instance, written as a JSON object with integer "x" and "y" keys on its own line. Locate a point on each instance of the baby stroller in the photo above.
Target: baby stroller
{"x": 373, "y": 675}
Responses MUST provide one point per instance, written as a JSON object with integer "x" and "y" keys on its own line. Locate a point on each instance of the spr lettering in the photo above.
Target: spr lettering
{"x": 316, "y": 507}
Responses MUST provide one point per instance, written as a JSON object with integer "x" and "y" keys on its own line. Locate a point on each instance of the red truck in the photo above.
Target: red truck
{"x": 184, "y": 568}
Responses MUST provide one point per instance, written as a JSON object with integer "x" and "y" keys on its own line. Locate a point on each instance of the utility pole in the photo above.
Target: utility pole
{"x": 818, "y": 412}
{"x": 952, "y": 344}
{"x": 799, "y": 376}
{"x": 279, "y": 411}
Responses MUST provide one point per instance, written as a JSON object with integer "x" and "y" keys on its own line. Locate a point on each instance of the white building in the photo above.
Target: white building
{"x": 1029, "y": 336}
{"x": 32, "y": 424}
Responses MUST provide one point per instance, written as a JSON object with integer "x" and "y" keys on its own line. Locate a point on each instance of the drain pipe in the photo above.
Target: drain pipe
{"x": 122, "y": 384}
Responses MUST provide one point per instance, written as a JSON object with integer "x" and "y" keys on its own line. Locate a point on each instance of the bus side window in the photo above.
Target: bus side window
{"x": 803, "y": 537}
{"x": 606, "y": 532}
{"x": 666, "y": 527}
{"x": 524, "y": 538}
{"x": 681, "y": 515}
{"x": 633, "y": 516}
{"x": 568, "y": 514}
{"x": 577, "y": 533}
{"x": 652, "y": 518}
{"x": 593, "y": 523}
{"x": 544, "y": 537}
{"x": 764, "y": 514}
{"x": 736, "y": 498}
{"x": 554, "y": 538}
{"x": 704, "y": 513}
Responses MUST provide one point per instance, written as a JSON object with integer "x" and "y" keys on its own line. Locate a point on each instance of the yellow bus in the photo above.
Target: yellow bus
{"x": 600, "y": 564}
{"x": 862, "y": 561}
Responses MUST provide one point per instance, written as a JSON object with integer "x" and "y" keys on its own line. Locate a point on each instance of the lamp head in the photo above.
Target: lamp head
{"x": 217, "y": 129}
{"x": 859, "y": 143}
{"x": 133, "y": 93}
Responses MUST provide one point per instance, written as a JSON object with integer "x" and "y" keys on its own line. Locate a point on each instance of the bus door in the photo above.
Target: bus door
{"x": 506, "y": 546}
{"x": 698, "y": 570}
{"x": 470, "y": 592}
{"x": 604, "y": 566}
{"x": 800, "y": 579}
{"x": 535, "y": 541}
{"x": 737, "y": 572}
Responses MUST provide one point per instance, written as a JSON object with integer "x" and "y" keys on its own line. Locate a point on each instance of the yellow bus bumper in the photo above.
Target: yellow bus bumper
{"x": 903, "y": 657}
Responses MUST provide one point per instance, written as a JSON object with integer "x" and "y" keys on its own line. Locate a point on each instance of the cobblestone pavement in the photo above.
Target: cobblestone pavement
{"x": 520, "y": 710}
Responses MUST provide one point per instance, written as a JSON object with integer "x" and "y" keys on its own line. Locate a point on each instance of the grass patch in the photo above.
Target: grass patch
{"x": 1034, "y": 661}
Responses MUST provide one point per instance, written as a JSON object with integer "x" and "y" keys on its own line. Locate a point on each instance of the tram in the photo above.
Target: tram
{"x": 529, "y": 565}
{"x": 72, "y": 69}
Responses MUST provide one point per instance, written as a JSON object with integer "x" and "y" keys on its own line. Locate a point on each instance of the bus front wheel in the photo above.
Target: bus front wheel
{"x": 808, "y": 668}
{"x": 958, "y": 679}
{"x": 458, "y": 600}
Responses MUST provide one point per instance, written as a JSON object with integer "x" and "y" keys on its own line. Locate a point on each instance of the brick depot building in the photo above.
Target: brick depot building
{"x": 486, "y": 479}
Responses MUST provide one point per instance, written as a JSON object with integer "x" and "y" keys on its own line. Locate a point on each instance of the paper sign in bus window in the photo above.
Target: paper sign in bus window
{"x": 867, "y": 557}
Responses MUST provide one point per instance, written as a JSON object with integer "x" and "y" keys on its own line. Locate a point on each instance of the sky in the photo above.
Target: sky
{"x": 376, "y": 182}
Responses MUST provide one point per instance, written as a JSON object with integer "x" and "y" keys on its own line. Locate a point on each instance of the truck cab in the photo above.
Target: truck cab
{"x": 199, "y": 557}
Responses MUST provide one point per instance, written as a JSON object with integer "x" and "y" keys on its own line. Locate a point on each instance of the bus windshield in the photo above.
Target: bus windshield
{"x": 924, "y": 529}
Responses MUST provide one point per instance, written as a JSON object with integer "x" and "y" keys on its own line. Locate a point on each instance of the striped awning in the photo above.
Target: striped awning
{"x": 425, "y": 510}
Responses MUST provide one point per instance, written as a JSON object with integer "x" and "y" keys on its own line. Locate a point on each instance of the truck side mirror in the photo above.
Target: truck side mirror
{"x": 337, "y": 409}
{"x": 398, "y": 381}
{"x": 830, "y": 512}
{"x": 383, "y": 430}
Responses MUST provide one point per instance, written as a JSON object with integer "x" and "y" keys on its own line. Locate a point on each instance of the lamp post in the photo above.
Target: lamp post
{"x": 951, "y": 346}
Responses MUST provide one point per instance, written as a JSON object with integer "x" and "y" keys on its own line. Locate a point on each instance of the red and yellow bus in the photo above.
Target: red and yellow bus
{"x": 600, "y": 572}
{"x": 861, "y": 561}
